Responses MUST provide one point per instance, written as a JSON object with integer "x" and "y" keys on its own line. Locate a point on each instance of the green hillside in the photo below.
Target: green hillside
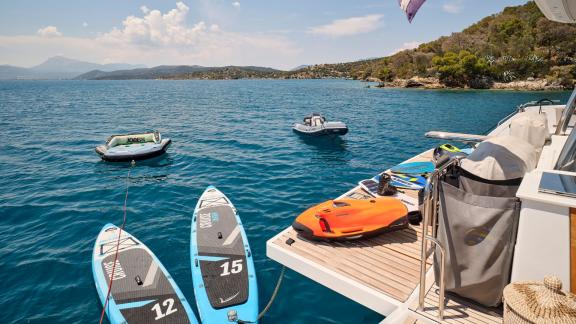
{"x": 516, "y": 44}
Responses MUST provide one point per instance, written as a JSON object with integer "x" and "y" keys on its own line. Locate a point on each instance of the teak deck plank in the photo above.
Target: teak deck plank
{"x": 457, "y": 310}
{"x": 388, "y": 267}
{"x": 388, "y": 263}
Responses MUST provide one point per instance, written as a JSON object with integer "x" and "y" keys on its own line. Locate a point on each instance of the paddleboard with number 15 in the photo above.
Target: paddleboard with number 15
{"x": 222, "y": 268}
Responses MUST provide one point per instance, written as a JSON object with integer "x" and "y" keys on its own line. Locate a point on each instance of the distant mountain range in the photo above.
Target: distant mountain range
{"x": 59, "y": 67}
{"x": 185, "y": 72}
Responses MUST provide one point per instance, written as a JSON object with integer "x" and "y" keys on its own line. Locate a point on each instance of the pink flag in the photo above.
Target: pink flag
{"x": 411, "y": 7}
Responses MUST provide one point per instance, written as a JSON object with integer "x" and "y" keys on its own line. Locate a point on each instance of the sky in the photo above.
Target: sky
{"x": 273, "y": 33}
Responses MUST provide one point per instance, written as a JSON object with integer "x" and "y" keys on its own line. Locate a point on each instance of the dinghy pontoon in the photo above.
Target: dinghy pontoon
{"x": 130, "y": 147}
{"x": 316, "y": 124}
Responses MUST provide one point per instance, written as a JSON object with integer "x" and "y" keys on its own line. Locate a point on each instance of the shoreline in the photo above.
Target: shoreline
{"x": 413, "y": 83}
{"x": 431, "y": 83}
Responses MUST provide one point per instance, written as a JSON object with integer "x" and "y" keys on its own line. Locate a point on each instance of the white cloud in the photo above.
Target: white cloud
{"x": 406, "y": 46}
{"x": 236, "y": 4}
{"x": 453, "y": 8}
{"x": 349, "y": 26}
{"x": 84, "y": 24}
{"x": 49, "y": 31}
{"x": 155, "y": 38}
{"x": 144, "y": 9}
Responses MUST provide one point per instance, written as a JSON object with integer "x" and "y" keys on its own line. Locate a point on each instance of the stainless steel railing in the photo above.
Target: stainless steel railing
{"x": 566, "y": 115}
{"x": 429, "y": 232}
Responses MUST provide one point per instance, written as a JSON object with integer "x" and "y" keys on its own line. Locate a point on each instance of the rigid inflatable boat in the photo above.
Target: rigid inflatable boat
{"x": 347, "y": 219}
{"x": 316, "y": 124}
{"x": 133, "y": 147}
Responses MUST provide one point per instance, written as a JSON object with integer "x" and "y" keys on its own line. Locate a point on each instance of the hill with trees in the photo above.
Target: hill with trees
{"x": 516, "y": 44}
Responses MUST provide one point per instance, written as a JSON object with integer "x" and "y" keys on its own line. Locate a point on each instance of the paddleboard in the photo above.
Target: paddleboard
{"x": 371, "y": 186}
{"x": 413, "y": 179}
{"x": 222, "y": 267}
{"x": 413, "y": 168}
{"x": 142, "y": 290}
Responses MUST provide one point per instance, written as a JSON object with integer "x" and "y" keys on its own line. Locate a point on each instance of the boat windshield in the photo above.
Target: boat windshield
{"x": 568, "y": 155}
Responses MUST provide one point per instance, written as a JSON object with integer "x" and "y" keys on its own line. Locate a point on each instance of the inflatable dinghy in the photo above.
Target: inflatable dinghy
{"x": 347, "y": 219}
{"x": 316, "y": 124}
{"x": 119, "y": 148}
{"x": 222, "y": 268}
{"x": 142, "y": 290}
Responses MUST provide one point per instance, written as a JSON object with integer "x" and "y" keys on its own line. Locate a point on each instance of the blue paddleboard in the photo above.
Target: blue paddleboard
{"x": 142, "y": 290}
{"x": 414, "y": 168}
{"x": 222, "y": 267}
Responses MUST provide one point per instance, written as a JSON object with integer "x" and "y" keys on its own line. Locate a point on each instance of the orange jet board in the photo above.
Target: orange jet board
{"x": 346, "y": 219}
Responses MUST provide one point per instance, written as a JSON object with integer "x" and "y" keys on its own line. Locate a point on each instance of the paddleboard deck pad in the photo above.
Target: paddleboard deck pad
{"x": 142, "y": 290}
{"x": 222, "y": 267}
{"x": 414, "y": 168}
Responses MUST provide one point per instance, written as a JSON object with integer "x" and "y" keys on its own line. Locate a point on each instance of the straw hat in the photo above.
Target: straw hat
{"x": 534, "y": 302}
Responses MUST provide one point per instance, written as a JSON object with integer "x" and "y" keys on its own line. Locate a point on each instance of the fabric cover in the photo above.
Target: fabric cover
{"x": 478, "y": 234}
{"x": 531, "y": 127}
{"x": 501, "y": 158}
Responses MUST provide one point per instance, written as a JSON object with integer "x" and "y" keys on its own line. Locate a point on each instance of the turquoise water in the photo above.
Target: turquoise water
{"x": 57, "y": 194}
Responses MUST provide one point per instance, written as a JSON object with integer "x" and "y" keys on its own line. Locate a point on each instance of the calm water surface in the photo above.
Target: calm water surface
{"x": 56, "y": 194}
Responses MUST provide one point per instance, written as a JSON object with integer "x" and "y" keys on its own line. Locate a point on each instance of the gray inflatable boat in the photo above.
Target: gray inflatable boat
{"x": 316, "y": 124}
{"x": 130, "y": 147}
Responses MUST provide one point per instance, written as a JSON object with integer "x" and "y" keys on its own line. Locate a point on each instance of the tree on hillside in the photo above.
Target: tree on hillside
{"x": 385, "y": 74}
{"x": 462, "y": 69}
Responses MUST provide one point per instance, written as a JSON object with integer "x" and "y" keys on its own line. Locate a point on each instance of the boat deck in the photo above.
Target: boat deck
{"x": 380, "y": 273}
{"x": 456, "y": 310}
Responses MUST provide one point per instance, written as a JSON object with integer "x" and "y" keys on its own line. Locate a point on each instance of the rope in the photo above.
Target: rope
{"x": 272, "y": 298}
{"x": 117, "y": 244}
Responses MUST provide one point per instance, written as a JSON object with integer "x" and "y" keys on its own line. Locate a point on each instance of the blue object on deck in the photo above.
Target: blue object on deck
{"x": 414, "y": 168}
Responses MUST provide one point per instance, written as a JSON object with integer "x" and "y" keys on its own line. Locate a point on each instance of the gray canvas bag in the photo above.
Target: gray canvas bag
{"x": 478, "y": 234}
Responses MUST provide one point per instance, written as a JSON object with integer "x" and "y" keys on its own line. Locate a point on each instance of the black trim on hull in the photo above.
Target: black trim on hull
{"x": 323, "y": 132}
{"x": 135, "y": 157}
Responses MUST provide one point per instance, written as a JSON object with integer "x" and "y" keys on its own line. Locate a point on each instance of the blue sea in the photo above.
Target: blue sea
{"x": 56, "y": 193}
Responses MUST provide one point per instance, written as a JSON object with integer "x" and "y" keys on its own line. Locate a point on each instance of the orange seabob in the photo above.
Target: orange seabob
{"x": 351, "y": 219}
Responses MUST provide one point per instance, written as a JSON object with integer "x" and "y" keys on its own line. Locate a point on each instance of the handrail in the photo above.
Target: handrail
{"x": 430, "y": 216}
{"x": 566, "y": 115}
{"x": 510, "y": 115}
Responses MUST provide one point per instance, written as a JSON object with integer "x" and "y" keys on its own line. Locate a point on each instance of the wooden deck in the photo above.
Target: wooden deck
{"x": 456, "y": 310}
{"x": 388, "y": 263}
{"x": 381, "y": 272}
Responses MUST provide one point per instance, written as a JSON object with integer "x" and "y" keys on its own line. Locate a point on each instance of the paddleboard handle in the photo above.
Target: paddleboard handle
{"x": 138, "y": 280}
{"x": 219, "y": 235}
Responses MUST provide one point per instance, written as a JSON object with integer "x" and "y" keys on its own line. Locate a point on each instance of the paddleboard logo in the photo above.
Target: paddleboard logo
{"x": 118, "y": 271}
{"x": 222, "y": 301}
{"x": 206, "y": 219}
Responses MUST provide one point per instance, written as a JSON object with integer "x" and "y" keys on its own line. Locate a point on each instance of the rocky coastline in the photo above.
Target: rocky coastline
{"x": 530, "y": 84}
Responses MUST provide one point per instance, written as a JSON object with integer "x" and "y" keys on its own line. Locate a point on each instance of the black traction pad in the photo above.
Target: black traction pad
{"x": 164, "y": 306}
{"x": 219, "y": 236}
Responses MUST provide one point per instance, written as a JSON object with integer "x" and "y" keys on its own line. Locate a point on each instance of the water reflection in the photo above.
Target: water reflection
{"x": 333, "y": 150}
